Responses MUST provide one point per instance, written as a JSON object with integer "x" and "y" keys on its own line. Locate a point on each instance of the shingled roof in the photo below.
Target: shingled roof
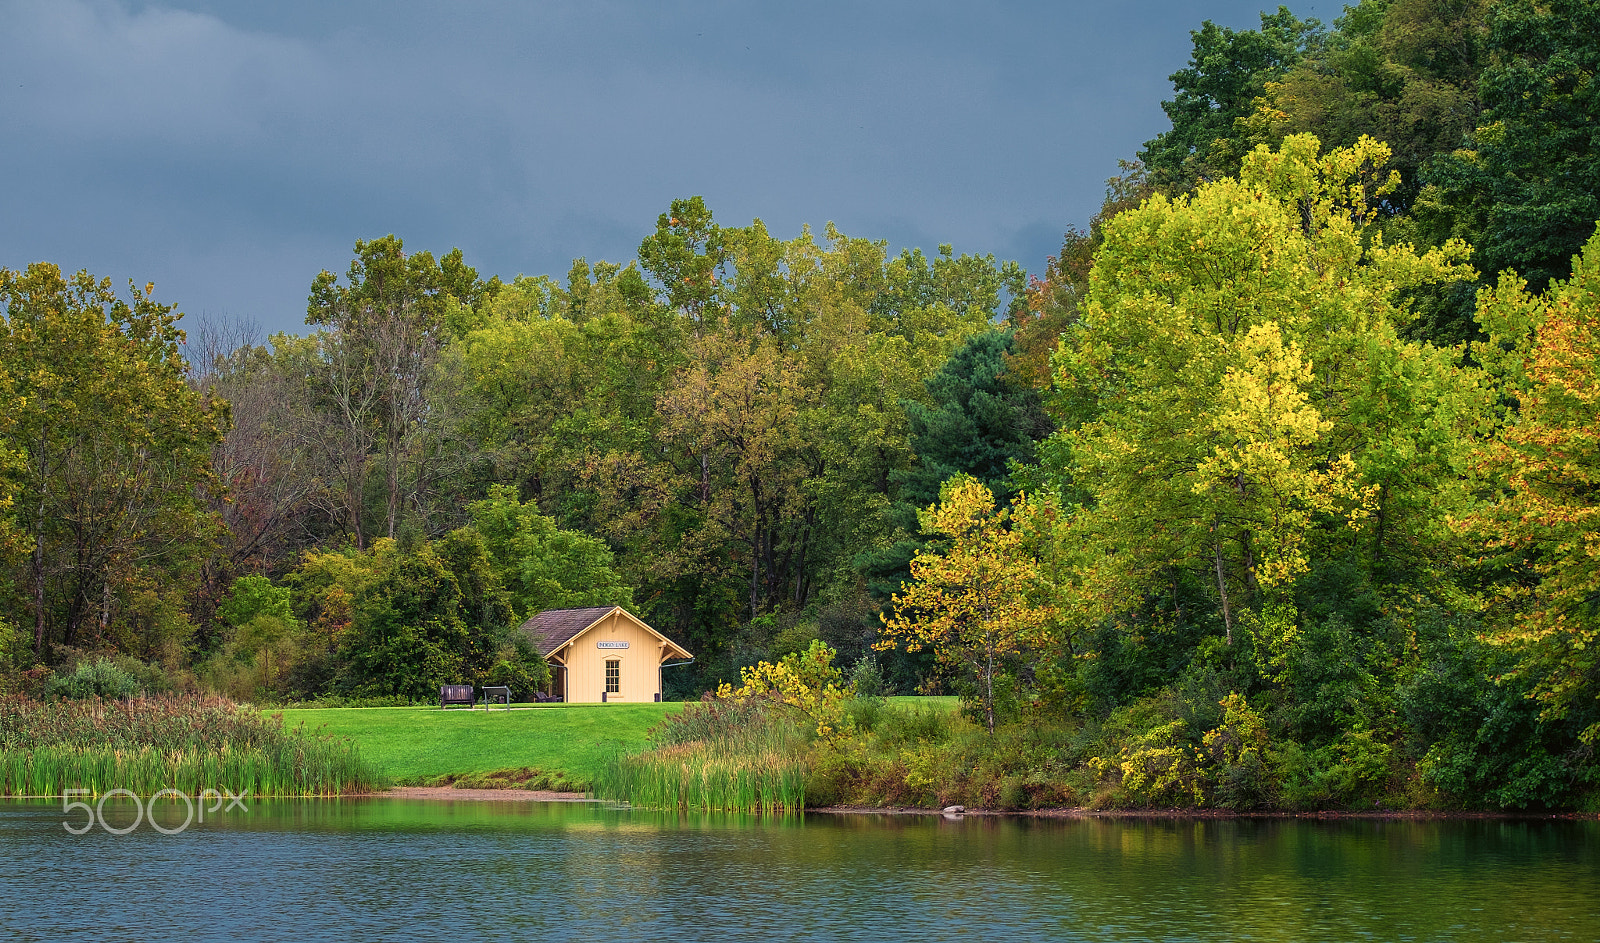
{"x": 554, "y": 628}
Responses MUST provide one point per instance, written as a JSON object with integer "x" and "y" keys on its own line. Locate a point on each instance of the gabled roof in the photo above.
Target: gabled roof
{"x": 554, "y": 628}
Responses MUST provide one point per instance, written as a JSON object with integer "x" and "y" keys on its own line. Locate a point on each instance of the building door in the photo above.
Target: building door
{"x": 613, "y": 679}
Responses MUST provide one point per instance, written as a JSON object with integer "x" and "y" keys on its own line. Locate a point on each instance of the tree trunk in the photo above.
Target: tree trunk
{"x": 1252, "y": 588}
{"x": 38, "y": 589}
{"x": 800, "y": 587}
{"x": 105, "y": 607}
{"x": 41, "y": 471}
{"x": 1380, "y": 529}
{"x": 988, "y": 691}
{"x": 392, "y": 480}
{"x": 355, "y": 478}
{"x": 755, "y": 574}
{"x": 1222, "y": 589}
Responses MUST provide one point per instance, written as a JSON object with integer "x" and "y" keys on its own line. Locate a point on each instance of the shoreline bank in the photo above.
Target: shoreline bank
{"x": 1204, "y": 814}
{"x": 450, "y": 793}
{"x": 525, "y": 795}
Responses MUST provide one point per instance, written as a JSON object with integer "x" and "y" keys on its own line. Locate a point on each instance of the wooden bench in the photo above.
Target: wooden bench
{"x": 457, "y": 694}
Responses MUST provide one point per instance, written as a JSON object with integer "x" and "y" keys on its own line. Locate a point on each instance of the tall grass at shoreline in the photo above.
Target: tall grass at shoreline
{"x": 702, "y": 779}
{"x": 188, "y": 744}
{"x": 719, "y": 755}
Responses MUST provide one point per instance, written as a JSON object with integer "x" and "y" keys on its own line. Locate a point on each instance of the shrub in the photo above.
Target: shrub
{"x": 1236, "y": 748}
{"x": 863, "y": 713}
{"x": 519, "y": 667}
{"x": 901, "y": 725}
{"x": 14, "y": 648}
{"x": 96, "y": 677}
{"x": 335, "y": 700}
{"x": 1147, "y": 757}
{"x": 33, "y": 683}
{"x": 806, "y": 682}
{"x": 1014, "y": 793}
{"x": 1342, "y": 774}
{"x": 829, "y": 780}
{"x": 868, "y": 680}
{"x": 1155, "y": 767}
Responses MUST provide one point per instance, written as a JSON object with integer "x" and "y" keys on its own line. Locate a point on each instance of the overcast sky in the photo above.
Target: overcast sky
{"x": 228, "y": 151}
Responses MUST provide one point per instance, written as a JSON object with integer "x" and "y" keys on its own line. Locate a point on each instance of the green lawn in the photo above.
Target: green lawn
{"x": 407, "y": 743}
{"x": 411, "y": 743}
{"x": 944, "y": 702}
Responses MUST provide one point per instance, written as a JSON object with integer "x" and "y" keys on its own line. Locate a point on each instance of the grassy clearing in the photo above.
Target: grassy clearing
{"x": 948, "y": 703}
{"x": 423, "y": 744}
{"x": 147, "y": 745}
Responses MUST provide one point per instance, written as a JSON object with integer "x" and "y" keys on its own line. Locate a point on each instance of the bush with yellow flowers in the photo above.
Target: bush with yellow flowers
{"x": 806, "y": 681}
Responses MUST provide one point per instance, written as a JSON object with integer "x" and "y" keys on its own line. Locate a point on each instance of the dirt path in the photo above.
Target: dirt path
{"x": 483, "y": 795}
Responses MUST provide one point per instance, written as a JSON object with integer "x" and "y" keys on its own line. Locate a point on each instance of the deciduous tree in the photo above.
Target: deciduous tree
{"x": 1543, "y": 526}
{"x": 981, "y": 601}
{"x": 542, "y": 566}
{"x": 383, "y": 331}
{"x": 117, "y": 450}
{"x": 1238, "y": 377}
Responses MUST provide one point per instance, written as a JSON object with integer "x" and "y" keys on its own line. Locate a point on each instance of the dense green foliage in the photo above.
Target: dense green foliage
{"x": 1227, "y": 72}
{"x": 1488, "y": 108}
{"x": 1528, "y": 181}
{"x": 1274, "y": 490}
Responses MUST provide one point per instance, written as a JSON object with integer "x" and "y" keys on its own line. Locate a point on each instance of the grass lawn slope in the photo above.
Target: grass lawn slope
{"x": 410, "y": 744}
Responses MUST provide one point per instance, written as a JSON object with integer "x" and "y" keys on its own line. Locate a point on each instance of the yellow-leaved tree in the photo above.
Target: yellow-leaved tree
{"x": 984, "y": 598}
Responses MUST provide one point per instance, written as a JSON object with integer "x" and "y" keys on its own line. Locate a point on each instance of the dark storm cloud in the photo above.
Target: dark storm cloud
{"x": 228, "y": 151}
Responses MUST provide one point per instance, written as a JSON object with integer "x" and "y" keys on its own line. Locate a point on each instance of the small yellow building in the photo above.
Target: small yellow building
{"x": 602, "y": 654}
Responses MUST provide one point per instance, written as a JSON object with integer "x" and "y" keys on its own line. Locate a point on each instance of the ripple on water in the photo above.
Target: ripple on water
{"x": 387, "y": 869}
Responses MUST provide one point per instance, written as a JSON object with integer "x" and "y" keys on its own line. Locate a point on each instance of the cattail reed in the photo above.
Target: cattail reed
{"x": 720, "y": 755}
{"x": 149, "y": 744}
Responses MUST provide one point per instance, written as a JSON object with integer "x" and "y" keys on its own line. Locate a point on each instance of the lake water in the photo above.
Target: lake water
{"x": 390, "y": 869}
